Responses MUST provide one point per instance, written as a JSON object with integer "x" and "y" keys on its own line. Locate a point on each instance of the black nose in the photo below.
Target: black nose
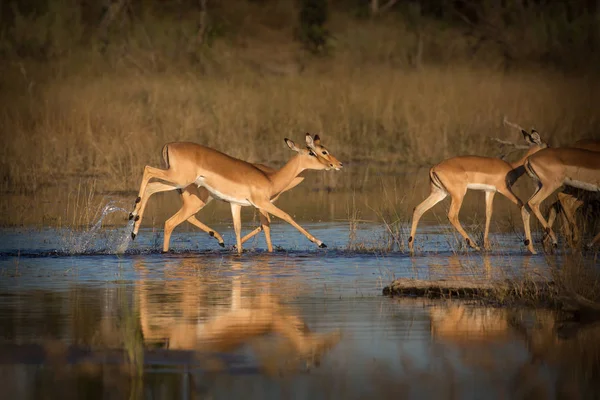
{"x": 331, "y": 165}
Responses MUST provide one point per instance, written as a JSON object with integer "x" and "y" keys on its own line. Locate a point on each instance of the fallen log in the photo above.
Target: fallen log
{"x": 533, "y": 292}
{"x": 541, "y": 290}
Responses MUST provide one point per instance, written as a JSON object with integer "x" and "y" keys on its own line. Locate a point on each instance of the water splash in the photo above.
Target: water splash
{"x": 118, "y": 243}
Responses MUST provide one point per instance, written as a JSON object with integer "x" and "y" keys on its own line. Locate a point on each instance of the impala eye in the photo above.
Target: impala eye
{"x": 310, "y": 153}
{"x": 325, "y": 153}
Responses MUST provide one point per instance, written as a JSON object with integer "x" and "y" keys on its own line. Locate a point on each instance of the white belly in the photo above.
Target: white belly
{"x": 481, "y": 186}
{"x": 221, "y": 196}
{"x": 582, "y": 185}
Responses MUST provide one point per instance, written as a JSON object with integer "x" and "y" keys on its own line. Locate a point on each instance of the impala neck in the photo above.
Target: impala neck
{"x": 520, "y": 162}
{"x": 284, "y": 176}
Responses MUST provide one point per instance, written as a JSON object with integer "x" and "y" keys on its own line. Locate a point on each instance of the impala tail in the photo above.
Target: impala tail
{"x": 436, "y": 181}
{"x": 530, "y": 171}
{"x": 165, "y": 156}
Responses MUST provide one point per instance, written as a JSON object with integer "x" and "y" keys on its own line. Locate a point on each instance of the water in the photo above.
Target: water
{"x": 94, "y": 315}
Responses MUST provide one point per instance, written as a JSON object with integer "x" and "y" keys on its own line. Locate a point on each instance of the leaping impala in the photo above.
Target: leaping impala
{"x": 194, "y": 198}
{"x": 553, "y": 168}
{"x": 233, "y": 180}
{"x": 456, "y": 175}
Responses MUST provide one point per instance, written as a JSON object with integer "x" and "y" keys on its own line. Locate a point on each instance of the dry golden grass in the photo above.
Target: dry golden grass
{"x": 112, "y": 125}
{"x": 387, "y": 95}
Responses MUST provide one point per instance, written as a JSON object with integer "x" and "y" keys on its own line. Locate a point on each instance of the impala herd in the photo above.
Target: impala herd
{"x": 201, "y": 174}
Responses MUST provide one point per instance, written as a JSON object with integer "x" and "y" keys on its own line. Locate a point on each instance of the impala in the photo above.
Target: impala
{"x": 456, "y": 175}
{"x": 553, "y": 168}
{"x": 194, "y": 198}
{"x": 568, "y": 199}
{"x": 234, "y": 181}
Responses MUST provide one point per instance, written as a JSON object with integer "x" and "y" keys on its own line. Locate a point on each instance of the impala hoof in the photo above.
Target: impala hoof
{"x": 133, "y": 235}
{"x": 130, "y": 216}
{"x": 323, "y": 245}
{"x": 221, "y": 244}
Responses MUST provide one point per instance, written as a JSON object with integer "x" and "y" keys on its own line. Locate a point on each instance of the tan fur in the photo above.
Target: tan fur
{"x": 568, "y": 203}
{"x": 553, "y": 168}
{"x": 456, "y": 175}
{"x": 234, "y": 181}
{"x": 194, "y": 198}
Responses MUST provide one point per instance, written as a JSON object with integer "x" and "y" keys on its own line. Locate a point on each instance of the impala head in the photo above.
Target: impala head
{"x": 534, "y": 140}
{"x": 317, "y": 156}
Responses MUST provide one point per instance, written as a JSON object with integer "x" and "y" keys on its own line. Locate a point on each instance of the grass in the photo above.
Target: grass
{"x": 373, "y": 114}
{"x": 82, "y": 114}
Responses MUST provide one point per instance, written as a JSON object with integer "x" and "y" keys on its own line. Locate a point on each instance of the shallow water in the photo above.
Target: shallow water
{"x": 95, "y": 315}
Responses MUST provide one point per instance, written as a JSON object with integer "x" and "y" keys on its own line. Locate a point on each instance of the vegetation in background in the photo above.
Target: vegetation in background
{"x": 312, "y": 32}
{"x": 93, "y": 92}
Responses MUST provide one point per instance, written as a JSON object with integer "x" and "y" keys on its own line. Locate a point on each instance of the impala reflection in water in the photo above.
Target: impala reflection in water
{"x": 197, "y": 318}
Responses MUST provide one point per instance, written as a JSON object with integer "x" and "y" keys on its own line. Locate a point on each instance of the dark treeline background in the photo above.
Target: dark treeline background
{"x": 563, "y": 33}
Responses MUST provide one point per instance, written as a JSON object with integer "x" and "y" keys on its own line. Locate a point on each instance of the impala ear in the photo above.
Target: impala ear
{"x": 317, "y": 140}
{"x": 291, "y": 145}
{"x": 309, "y": 141}
{"x": 535, "y": 137}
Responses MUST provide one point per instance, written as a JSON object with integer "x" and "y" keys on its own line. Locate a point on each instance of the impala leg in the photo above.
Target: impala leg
{"x": 570, "y": 204}
{"x": 554, "y": 211}
{"x": 508, "y": 193}
{"x": 192, "y": 203}
{"x": 457, "y": 199}
{"x": 237, "y": 225}
{"x": 489, "y": 202}
{"x": 435, "y": 197}
{"x": 149, "y": 173}
{"x": 194, "y": 221}
{"x": 252, "y": 234}
{"x": 270, "y": 208}
{"x": 265, "y": 222}
{"x": 257, "y": 231}
{"x": 201, "y": 196}
{"x": 151, "y": 188}
{"x": 534, "y": 204}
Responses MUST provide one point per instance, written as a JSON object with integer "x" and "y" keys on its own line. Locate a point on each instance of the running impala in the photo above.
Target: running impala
{"x": 194, "y": 198}
{"x": 553, "y": 168}
{"x": 456, "y": 175}
{"x": 234, "y": 181}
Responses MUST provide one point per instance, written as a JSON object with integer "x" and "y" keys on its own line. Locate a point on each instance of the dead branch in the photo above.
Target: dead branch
{"x": 507, "y": 143}
{"x": 376, "y": 9}
{"x": 505, "y": 121}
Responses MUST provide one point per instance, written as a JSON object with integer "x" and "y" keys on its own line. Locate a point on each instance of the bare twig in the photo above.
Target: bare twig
{"x": 387, "y": 6}
{"x": 507, "y": 143}
{"x": 376, "y": 9}
{"x": 505, "y": 121}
